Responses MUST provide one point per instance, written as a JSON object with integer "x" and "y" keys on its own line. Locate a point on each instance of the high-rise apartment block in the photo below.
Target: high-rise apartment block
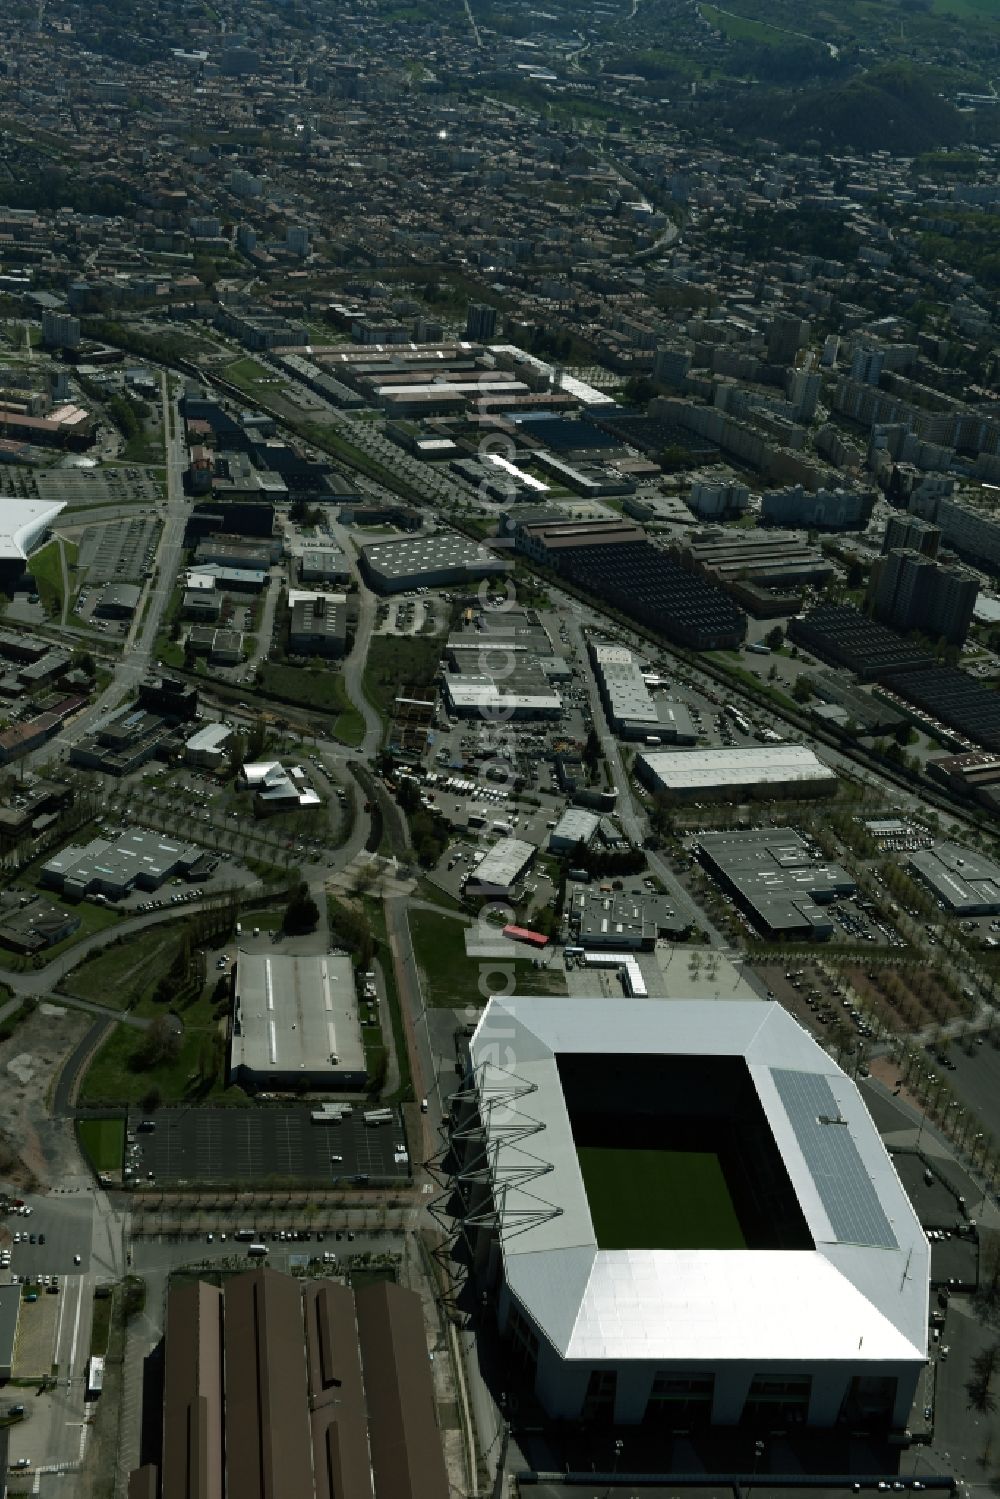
{"x": 60, "y": 330}
{"x": 912, "y": 533}
{"x": 914, "y": 593}
{"x": 480, "y": 322}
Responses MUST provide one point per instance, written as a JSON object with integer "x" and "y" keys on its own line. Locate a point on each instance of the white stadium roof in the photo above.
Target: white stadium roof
{"x": 858, "y": 1296}
{"x": 22, "y": 522}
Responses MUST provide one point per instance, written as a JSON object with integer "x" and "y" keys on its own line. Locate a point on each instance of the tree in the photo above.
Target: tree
{"x": 802, "y": 691}
{"x": 256, "y": 739}
{"x": 775, "y": 638}
{"x": 237, "y": 754}
{"x": 639, "y": 390}
{"x": 301, "y": 912}
{"x": 160, "y": 1045}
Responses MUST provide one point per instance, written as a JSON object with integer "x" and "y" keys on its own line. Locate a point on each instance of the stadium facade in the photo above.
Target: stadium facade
{"x": 685, "y": 1214}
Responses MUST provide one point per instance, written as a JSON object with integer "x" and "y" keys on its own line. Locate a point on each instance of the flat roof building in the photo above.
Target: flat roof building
{"x": 113, "y": 867}
{"x": 428, "y": 561}
{"x": 770, "y": 771}
{"x": 777, "y": 879}
{"x": 118, "y": 601}
{"x": 318, "y": 626}
{"x": 295, "y": 1022}
{"x": 575, "y": 826}
{"x": 324, "y": 565}
{"x": 967, "y": 882}
{"x": 621, "y": 919}
{"x": 800, "y": 1298}
{"x": 502, "y": 866}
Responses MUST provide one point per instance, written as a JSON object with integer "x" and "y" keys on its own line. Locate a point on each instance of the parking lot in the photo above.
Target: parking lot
{"x": 257, "y": 1145}
{"x": 121, "y": 552}
{"x": 101, "y": 486}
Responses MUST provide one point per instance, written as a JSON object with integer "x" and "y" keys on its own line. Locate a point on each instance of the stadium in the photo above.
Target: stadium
{"x": 685, "y": 1215}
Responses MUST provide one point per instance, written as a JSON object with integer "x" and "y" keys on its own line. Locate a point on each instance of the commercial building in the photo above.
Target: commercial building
{"x": 967, "y": 882}
{"x": 522, "y": 696}
{"x": 276, "y": 1388}
{"x": 207, "y": 747}
{"x": 627, "y": 920}
{"x": 801, "y": 1298}
{"x": 276, "y": 789}
{"x": 724, "y": 774}
{"x": 777, "y": 879}
{"x": 324, "y": 565}
{"x": 170, "y": 697}
{"x": 500, "y": 868}
{"x": 631, "y": 709}
{"x": 112, "y": 868}
{"x": 295, "y": 1023}
{"x": 574, "y": 827}
{"x": 33, "y": 927}
{"x": 430, "y": 561}
{"x": 118, "y": 601}
{"x": 914, "y": 593}
{"x": 318, "y": 625}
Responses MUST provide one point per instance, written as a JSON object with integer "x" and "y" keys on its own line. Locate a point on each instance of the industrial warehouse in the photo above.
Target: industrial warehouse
{"x": 276, "y": 1387}
{"x": 778, "y": 879}
{"x": 772, "y": 771}
{"x": 697, "y": 1222}
{"x": 295, "y": 1023}
{"x": 428, "y": 561}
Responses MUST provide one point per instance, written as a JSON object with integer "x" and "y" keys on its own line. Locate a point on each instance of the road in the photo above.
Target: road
{"x": 354, "y": 669}
{"x": 138, "y": 651}
{"x": 632, "y": 820}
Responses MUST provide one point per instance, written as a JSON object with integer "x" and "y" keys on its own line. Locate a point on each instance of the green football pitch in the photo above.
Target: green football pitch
{"x": 659, "y": 1199}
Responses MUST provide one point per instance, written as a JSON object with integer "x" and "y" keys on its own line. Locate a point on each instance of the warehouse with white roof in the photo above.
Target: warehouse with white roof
{"x": 295, "y": 1022}
{"x": 770, "y": 771}
{"x": 686, "y": 1215}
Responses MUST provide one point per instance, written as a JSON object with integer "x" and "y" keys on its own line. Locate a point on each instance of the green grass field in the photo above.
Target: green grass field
{"x": 452, "y": 980}
{"x": 127, "y": 973}
{"x": 659, "y": 1199}
{"x": 103, "y": 1141}
{"x": 315, "y": 687}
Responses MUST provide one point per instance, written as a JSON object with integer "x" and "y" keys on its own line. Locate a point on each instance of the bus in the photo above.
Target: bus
{"x": 95, "y": 1376}
{"x": 256, "y": 1251}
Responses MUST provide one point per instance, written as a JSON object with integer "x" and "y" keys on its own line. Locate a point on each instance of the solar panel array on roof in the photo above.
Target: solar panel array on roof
{"x": 825, "y": 1139}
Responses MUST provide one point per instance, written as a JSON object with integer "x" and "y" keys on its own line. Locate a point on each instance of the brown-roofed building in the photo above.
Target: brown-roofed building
{"x": 278, "y": 1389}
{"x": 268, "y": 1441}
{"x": 192, "y": 1394}
{"x": 545, "y": 540}
{"x": 407, "y": 1457}
{"x": 341, "y": 1463}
